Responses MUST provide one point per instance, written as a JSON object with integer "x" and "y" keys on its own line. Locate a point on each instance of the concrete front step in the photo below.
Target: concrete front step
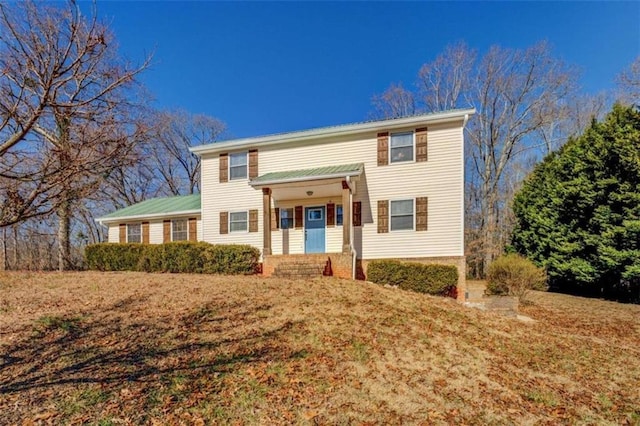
{"x": 299, "y": 269}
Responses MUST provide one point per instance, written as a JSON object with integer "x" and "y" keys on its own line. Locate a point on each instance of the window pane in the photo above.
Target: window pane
{"x": 339, "y": 214}
{"x": 238, "y": 221}
{"x": 401, "y": 139}
{"x": 134, "y": 233}
{"x": 402, "y": 154}
{"x": 238, "y": 217}
{"x": 179, "y": 230}
{"x": 238, "y": 165}
{"x": 404, "y": 207}
{"x": 238, "y": 172}
{"x": 239, "y": 159}
{"x": 401, "y": 222}
{"x": 238, "y": 226}
{"x": 286, "y": 218}
{"x": 315, "y": 214}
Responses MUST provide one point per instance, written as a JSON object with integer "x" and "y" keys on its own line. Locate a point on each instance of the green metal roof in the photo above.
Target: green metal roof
{"x": 157, "y": 207}
{"x": 309, "y": 174}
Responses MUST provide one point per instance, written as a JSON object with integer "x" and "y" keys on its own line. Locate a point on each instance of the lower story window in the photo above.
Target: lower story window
{"x": 339, "y": 215}
{"x": 134, "y": 233}
{"x": 238, "y": 222}
{"x": 401, "y": 215}
{"x": 286, "y": 218}
{"x": 179, "y": 230}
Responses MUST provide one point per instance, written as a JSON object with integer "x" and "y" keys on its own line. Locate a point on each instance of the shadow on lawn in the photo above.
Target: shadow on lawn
{"x": 113, "y": 346}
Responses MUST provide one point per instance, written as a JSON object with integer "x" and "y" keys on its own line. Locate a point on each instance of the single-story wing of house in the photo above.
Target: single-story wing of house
{"x": 331, "y": 198}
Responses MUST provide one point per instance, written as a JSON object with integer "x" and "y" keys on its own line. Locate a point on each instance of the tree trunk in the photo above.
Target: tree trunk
{"x": 3, "y": 266}
{"x": 14, "y": 264}
{"x": 64, "y": 229}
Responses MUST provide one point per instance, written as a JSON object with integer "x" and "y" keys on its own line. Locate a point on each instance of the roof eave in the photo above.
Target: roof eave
{"x": 306, "y": 178}
{"x": 304, "y": 135}
{"x": 103, "y": 220}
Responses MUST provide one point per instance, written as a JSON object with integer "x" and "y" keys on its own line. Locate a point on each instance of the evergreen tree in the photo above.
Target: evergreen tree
{"x": 578, "y": 213}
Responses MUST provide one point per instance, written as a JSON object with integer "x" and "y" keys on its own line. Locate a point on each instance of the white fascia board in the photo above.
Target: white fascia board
{"x": 305, "y": 135}
{"x": 305, "y": 178}
{"x": 103, "y": 220}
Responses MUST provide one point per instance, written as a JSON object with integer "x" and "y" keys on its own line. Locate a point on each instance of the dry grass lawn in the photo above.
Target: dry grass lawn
{"x": 135, "y": 348}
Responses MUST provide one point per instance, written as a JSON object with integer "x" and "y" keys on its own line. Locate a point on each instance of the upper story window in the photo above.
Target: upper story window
{"x": 401, "y": 147}
{"x": 238, "y": 165}
{"x": 286, "y": 218}
{"x": 134, "y": 233}
{"x": 401, "y": 215}
{"x": 179, "y": 230}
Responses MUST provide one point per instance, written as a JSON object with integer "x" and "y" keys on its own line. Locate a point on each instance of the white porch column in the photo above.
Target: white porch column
{"x": 346, "y": 218}
{"x": 266, "y": 223}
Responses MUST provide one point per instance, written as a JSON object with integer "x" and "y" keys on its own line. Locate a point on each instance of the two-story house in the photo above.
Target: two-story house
{"x": 344, "y": 195}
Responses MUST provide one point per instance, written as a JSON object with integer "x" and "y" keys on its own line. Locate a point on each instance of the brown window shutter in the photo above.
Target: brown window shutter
{"x": 298, "y": 217}
{"x": 331, "y": 215}
{"x": 421, "y": 144}
{"x": 357, "y": 213}
{"x": 166, "y": 231}
{"x": 383, "y": 216}
{"x": 145, "y": 232}
{"x": 253, "y": 163}
{"x": 275, "y": 218}
{"x": 253, "y": 220}
{"x": 193, "y": 229}
{"x": 224, "y": 222}
{"x": 421, "y": 213}
{"x": 224, "y": 168}
{"x": 383, "y": 149}
{"x": 123, "y": 233}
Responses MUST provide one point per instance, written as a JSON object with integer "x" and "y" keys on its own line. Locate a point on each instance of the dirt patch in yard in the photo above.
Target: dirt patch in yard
{"x": 134, "y": 348}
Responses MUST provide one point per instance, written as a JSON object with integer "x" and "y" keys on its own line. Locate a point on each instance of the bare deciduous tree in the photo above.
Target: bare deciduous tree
{"x": 175, "y": 132}
{"x": 395, "y": 102}
{"x": 629, "y": 83}
{"x": 66, "y": 111}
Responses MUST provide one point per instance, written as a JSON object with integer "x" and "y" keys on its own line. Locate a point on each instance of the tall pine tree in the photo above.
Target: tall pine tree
{"x": 578, "y": 213}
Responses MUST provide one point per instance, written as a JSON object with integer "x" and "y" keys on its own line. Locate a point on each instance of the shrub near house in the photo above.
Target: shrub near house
{"x": 431, "y": 279}
{"x": 178, "y": 257}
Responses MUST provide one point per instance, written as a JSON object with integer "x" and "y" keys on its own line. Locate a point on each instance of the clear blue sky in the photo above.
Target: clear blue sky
{"x": 272, "y": 67}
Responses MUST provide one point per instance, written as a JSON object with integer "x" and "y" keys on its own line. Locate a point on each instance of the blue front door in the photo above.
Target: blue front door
{"x": 314, "y": 229}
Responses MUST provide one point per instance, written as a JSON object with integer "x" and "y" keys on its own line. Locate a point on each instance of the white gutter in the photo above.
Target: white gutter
{"x": 325, "y": 132}
{"x": 103, "y": 220}
{"x": 307, "y": 178}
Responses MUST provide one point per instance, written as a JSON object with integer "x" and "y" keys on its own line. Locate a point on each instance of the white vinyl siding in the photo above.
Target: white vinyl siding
{"x": 401, "y": 147}
{"x": 401, "y": 215}
{"x": 440, "y": 179}
{"x": 238, "y": 166}
{"x": 238, "y": 222}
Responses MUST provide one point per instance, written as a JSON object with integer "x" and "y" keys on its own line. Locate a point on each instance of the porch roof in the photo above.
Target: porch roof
{"x": 318, "y": 173}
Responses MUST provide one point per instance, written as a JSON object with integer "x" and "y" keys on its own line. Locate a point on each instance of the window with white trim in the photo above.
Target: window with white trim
{"x": 286, "y": 218}
{"x": 238, "y": 222}
{"x": 179, "y": 230}
{"x": 401, "y": 147}
{"x": 134, "y": 233}
{"x": 339, "y": 215}
{"x": 401, "y": 215}
{"x": 238, "y": 165}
